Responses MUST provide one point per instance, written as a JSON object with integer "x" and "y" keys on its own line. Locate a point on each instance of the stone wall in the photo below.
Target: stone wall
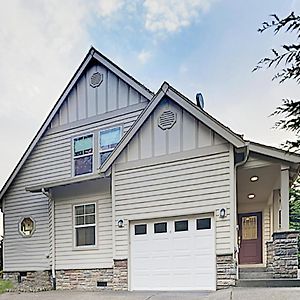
{"x": 29, "y": 281}
{"x": 269, "y": 256}
{"x": 285, "y": 254}
{"x": 226, "y": 271}
{"x": 120, "y": 275}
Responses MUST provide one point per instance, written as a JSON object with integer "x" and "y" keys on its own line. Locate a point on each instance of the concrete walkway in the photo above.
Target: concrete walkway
{"x": 229, "y": 294}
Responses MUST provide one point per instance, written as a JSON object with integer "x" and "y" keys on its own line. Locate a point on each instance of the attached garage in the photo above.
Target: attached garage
{"x": 173, "y": 254}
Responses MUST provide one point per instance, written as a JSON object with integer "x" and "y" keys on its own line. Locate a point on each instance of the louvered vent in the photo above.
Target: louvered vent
{"x": 167, "y": 120}
{"x": 96, "y": 79}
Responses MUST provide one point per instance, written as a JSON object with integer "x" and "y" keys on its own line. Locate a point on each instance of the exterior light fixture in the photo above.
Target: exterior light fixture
{"x": 251, "y": 196}
{"x": 222, "y": 213}
{"x": 253, "y": 178}
{"x": 120, "y": 223}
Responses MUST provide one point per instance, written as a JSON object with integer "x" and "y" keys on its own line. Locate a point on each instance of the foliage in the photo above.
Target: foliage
{"x": 5, "y": 285}
{"x": 295, "y": 205}
{"x": 287, "y": 60}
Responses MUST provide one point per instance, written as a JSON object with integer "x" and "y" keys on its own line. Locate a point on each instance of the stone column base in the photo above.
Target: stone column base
{"x": 226, "y": 271}
{"x": 120, "y": 277}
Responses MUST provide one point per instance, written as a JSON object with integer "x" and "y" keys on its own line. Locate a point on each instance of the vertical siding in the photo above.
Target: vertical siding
{"x": 186, "y": 134}
{"x": 67, "y": 256}
{"x": 192, "y": 185}
{"x": 85, "y": 101}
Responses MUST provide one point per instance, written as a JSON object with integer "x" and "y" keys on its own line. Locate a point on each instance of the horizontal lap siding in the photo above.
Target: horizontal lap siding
{"x": 50, "y": 161}
{"x": 188, "y": 186}
{"x": 67, "y": 257}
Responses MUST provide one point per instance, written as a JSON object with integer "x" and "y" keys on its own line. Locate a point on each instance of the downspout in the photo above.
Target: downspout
{"x": 236, "y": 165}
{"x": 51, "y": 201}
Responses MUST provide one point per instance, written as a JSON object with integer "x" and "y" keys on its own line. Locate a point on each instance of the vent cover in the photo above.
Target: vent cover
{"x": 167, "y": 119}
{"x": 96, "y": 79}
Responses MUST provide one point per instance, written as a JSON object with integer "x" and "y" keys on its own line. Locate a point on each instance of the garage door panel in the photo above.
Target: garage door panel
{"x": 165, "y": 259}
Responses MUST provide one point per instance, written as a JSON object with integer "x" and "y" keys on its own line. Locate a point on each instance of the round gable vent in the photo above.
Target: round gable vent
{"x": 167, "y": 119}
{"x": 96, "y": 79}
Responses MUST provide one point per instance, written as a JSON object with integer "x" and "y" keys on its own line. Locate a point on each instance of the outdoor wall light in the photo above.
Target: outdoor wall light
{"x": 222, "y": 213}
{"x": 120, "y": 223}
{"x": 253, "y": 178}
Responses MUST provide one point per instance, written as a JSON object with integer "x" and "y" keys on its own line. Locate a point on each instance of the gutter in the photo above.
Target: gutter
{"x": 236, "y": 165}
{"x": 51, "y": 202}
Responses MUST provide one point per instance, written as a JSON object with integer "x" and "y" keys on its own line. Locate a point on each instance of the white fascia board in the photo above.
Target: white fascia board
{"x": 275, "y": 153}
{"x": 46, "y": 123}
{"x": 123, "y": 75}
{"x": 207, "y": 120}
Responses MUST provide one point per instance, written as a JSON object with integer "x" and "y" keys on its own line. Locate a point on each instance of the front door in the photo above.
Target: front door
{"x": 250, "y": 238}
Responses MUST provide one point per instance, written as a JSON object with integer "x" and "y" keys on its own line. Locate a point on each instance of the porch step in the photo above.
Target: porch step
{"x": 268, "y": 283}
{"x": 254, "y": 273}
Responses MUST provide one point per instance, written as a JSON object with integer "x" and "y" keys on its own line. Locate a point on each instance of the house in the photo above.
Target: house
{"x": 123, "y": 189}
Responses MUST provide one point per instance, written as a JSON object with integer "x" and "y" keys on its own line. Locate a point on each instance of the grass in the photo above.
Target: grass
{"x": 5, "y": 285}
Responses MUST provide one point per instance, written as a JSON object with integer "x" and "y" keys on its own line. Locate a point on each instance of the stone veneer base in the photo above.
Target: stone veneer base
{"x": 226, "y": 271}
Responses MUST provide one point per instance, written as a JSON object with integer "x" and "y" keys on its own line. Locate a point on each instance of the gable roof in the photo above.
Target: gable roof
{"x": 198, "y": 113}
{"x": 93, "y": 54}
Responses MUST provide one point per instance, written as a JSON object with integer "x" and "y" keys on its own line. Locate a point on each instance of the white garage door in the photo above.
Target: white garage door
{"x": 177, "y": 254}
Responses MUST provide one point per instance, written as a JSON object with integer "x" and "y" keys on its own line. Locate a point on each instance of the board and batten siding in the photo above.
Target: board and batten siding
{"x": 67, "y": 255}
{"x": 191, "y": 185}
{"x": 85, "y": 101}
{"x": 51, "y": 160}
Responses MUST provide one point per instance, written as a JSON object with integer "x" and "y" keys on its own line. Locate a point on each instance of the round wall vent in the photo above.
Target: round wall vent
{"x": 167, "y": 119}
{"x": 96, "y": 79}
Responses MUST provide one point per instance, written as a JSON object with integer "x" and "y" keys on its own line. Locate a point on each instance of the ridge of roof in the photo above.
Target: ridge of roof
{"x": 93, "y": 53}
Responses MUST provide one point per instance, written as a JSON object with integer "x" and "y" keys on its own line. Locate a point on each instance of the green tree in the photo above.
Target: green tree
{"x": 286, "y": 59}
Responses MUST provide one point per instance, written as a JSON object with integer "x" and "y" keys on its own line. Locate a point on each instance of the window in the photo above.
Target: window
{"x": 160, "y": 227}
{"x": 203, "y": 223}
{"x": 85, "y": 225}
{"x": 108, "y": 139}
{"x": 181, "y": 225}
{"x": 27, "y": 227}
{"x": 140, "y": 229}
{"x": 83, "y": 154}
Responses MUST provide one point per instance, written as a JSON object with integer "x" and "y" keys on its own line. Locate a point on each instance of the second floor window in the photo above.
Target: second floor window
{"x": 83, "y": 154}
{"x": 108, "y": 139}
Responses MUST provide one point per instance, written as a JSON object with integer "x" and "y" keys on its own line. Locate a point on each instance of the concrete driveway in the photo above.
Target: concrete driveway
{"x": 229, "y": 294}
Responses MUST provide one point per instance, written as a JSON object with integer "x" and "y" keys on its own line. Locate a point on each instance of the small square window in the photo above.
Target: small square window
{"x": 203, "y": 223}
{"x": 140, "y": 229}
{"x": 181, "y": 225}
{"x": 160, "y": 227}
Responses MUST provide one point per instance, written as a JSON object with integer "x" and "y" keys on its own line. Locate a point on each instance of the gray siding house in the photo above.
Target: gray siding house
{"x": 123, "y": 189}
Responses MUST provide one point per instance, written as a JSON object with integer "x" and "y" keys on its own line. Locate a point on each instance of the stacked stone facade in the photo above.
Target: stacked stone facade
{"x": 120, "y": 275}
{"x": 29, "y": 281}
{"x": 285, "y": 254}
{"x": 226, "y": 271}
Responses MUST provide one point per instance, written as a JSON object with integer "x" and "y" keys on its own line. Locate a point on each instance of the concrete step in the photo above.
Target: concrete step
{"x": 255, "y": 275}
{"x": 253, "y": 269}
{"x": 268, "y": 283}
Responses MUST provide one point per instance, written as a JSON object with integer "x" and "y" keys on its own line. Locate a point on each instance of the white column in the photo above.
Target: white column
{"x": 284, "y": 196}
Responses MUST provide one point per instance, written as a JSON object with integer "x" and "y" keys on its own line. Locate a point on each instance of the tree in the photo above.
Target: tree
{"x": 287, "y": 60}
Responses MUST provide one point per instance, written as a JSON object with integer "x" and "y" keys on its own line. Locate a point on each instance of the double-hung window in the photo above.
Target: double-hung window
{"x": 85, "y": 224}
{"x": 108, "y": 139}
{"x": 83, "y": 154}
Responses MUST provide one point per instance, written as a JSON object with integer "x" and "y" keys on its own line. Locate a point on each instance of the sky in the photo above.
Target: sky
{"x": 207, "y": 46}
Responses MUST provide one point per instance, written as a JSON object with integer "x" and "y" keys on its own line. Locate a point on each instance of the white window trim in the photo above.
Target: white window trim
{"x": 99, "y": 140}
{"x": 84, "y": 155}
{"x": 86, "y": 247}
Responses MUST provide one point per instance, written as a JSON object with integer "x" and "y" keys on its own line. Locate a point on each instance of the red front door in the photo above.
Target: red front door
{"x": 250, "y": 238}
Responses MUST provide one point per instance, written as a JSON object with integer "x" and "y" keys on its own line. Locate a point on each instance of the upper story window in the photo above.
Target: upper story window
{"x": 108, "y": 139}
{"x": 85, "y": 224}
{"x": 83, "y": 154}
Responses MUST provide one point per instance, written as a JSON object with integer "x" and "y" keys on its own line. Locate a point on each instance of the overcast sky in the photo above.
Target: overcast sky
{"x": 207, "y": 46}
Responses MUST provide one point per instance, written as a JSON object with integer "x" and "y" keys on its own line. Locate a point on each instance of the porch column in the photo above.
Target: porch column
{"x": 284, "y": 197}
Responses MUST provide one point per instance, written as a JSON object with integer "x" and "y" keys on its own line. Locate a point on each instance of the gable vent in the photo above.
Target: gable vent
{"x": 167, "y": 119}
{"x": 96, "y": 79}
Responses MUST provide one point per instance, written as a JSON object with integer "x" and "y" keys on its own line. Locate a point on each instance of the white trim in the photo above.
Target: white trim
{"x": 198, "y": 113}
{"x": 84, "y": 247}
{"x": 83, "y": 155}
